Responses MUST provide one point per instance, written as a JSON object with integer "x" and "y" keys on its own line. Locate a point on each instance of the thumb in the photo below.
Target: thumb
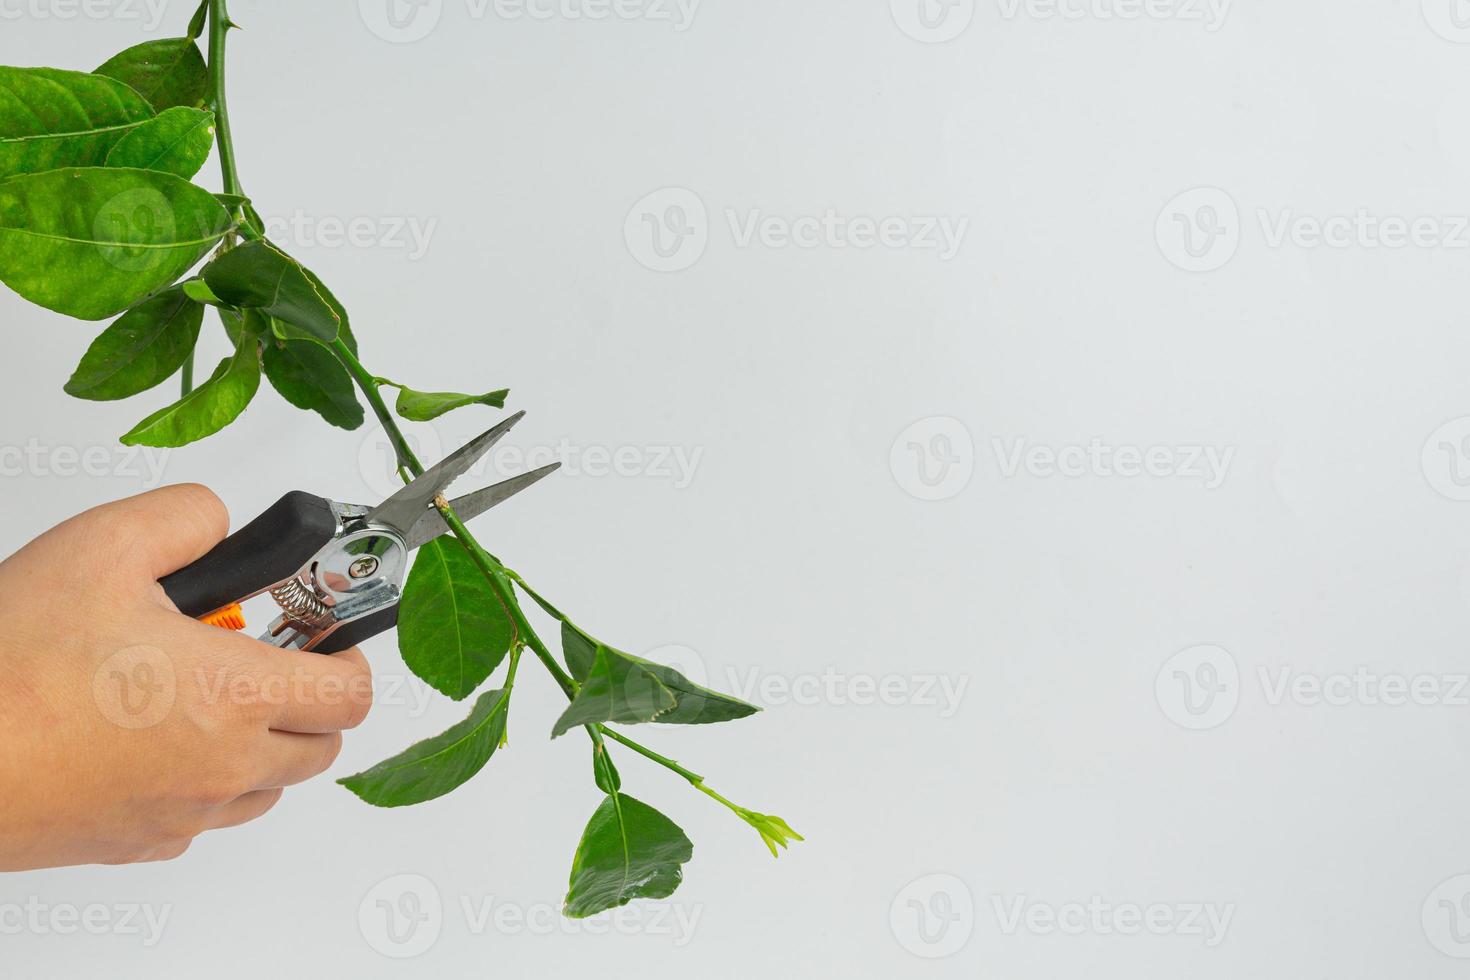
{"x": 160, "y": 531}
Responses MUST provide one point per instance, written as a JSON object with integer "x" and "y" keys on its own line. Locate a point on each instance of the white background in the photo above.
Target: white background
{"x": 1084, "y": 762}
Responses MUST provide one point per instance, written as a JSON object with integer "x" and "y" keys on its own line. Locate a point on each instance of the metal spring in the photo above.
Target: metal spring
{"x": 299, "y": 602}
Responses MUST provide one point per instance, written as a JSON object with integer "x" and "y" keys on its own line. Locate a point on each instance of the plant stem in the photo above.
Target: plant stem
{"x": 186, "y": 377}
{"x": 368, "y": 382}
{"x": 499, "y": 576}
{"x": 219, "y": 26}
{"x": 648, "y": 753}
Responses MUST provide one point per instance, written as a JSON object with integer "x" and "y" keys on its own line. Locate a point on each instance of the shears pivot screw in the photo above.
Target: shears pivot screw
{"x": 363, "y": 567}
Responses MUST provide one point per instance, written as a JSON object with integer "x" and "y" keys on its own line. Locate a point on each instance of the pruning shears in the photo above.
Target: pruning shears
{"x": 335, "y": 570}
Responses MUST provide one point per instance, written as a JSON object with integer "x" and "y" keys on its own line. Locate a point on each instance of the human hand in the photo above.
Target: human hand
{"x": 127, "y": 728}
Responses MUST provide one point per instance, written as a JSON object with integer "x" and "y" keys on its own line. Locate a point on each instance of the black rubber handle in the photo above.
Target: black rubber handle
{"x": 270, "y": 548}
{"x": 353, "y": 633}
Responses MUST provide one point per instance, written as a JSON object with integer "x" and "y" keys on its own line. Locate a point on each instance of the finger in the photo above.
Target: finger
{"x": 325, "y": 693}
{"x": 290, "y": 758}
{"x": 157, "y": 532}
{"x": 307, "y": 693}
{"x": 246, "y": 808}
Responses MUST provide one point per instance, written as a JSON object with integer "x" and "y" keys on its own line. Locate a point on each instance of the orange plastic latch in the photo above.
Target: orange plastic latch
{"x": 231, "y": 617}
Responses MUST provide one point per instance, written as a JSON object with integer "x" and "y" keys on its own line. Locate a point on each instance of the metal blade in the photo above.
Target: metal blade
{"x": 403, "y": 510}
{"x": 472, "y": 505}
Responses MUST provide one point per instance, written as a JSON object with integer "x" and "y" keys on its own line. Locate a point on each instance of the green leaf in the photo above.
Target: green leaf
{"x": 90, "y": 243}
{"x": 695, "y": 705}
{"x": 615, "y": 689}
{"x": 259, "y": 276}
{"x": 209, "y": 407}
{"x": 141, "y": 349}
{"x": 168, "y": 72}
{"x": 578, "y": 649}
{"x": 425, "y": 406}
{"x": 198, "y": 290}
{"x": 308, "y": 376}
{"x": 178, "y": 141}
{"x": 453, "y": 629}
{"x": 604, "y": 773}
{"x": 51, "y": 118}
{"x": 629, "y": 850}
{"x": 439, "y": 765}
{"x": 345, "y": 334}
{"x": 200, "y": 19}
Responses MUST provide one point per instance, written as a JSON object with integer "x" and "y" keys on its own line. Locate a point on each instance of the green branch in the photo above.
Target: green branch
{"x": 219, "y": 27}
